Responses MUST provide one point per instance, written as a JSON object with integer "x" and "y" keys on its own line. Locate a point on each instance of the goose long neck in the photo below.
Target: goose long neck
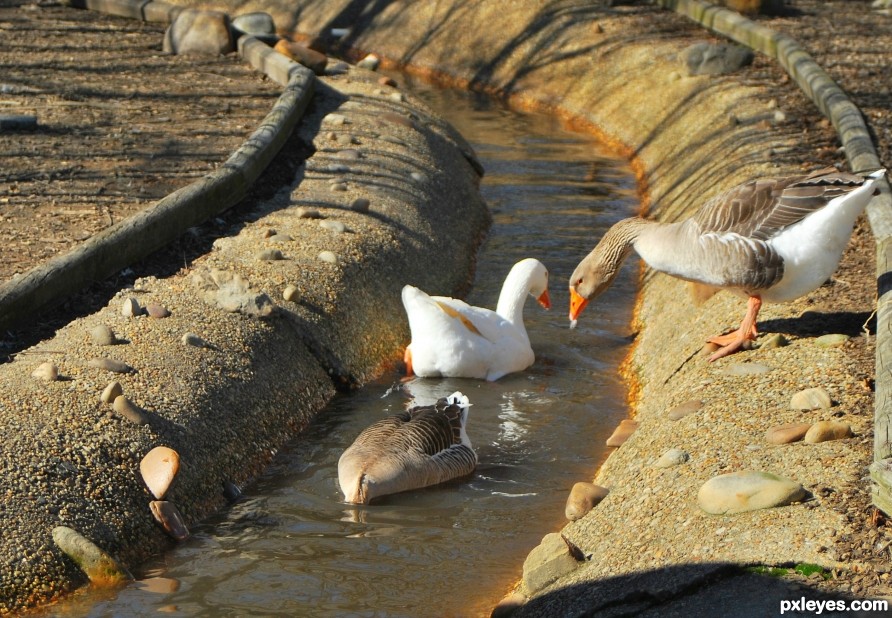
{"x": 513, "y": 296}
{"x": 619, "y": 240}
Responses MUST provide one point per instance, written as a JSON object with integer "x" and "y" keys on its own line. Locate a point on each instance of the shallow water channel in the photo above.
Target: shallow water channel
{"x": 292, "y": 547}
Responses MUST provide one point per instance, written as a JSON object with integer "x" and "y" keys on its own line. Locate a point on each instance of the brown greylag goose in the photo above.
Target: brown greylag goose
{"x": 423, "y": 446}
{"x": 451, "y": 338}
{"x": 770, "y": 240}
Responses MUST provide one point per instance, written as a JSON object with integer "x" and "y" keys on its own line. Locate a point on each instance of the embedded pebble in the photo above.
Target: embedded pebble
{"x": 130, "y": 307}
{"x": 347, "y": 139}
{"x": 100, "y": 567}
{"x": 824, "y": 431}
{"x": 103, "y": 335}
{"x": 774, "y": 341}
{"x": 328, "y": 256}
{"x": 333, "y": 225}
{"x": 811, "y": 399}
{"x": 280, "y": 238}
{"x": 418, "y": 177}
{"x": 158, "y": 469}
{"x": 130, "y": 410}
{"x": 672, "y": 457}
{"x": 290, "y": 293}
{"x": 746, "y": 369}
{"x": 194, "y": 340}
{"x": 46, "y": 371}
{"x": 166, "y": 514}
{"x": 308, "y": 213}
{"x": 625, "y": 429}
{"x": 684, "y": 409}
{"x": 785, "y": 434}
{"x": 738, "y": 492}
{"x": 335, "y": 119}
{"x": 349, "y": 154}
{"x": 111, "y": 392}
{"x": 154, "y": 310}
{"x": 831, "y": 341}
{"x": 269, "y": 255}
{"x": 398, "y": 97}
{"x": 338, "y": 186}
{"x": 360, "y": 204}
{"x": 582, "y": 499}
{"x": 110, "y": 364}
{"x": 370, "y": 62}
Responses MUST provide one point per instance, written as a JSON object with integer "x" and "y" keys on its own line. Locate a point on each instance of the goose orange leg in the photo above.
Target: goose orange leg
{"x": 733, "y": 341}
{"x": 407, "y": 358}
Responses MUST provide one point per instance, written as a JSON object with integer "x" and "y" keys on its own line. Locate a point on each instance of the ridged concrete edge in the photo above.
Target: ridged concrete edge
{"x": 126, "y": 242}
{"x": 833, "y": 102}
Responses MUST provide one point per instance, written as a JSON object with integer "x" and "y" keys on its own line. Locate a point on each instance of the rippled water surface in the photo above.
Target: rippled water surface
{"x": 291, "y": 547}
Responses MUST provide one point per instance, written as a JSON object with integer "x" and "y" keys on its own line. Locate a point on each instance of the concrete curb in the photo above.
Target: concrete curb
{"x": 833, "y": 102}
{"x": 122, "y": 244}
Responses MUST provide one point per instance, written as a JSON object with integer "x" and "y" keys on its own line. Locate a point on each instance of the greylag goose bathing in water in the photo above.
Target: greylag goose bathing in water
{"x": 770, "y": 240}
{"x": 450, "y": 338}
{"x": 420, "y": 447}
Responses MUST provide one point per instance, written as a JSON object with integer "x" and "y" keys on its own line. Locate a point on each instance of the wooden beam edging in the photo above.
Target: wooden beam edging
{"x": 122, "y": 244}
{"x": 833, "y": 102}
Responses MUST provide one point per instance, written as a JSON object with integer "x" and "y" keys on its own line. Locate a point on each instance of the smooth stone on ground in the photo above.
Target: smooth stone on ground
{"x": 130, "y": 308}
{"x": 328, "y": 256}
{"x": 194, "y": 340}
{"x": 230, "y": 292}
{"x": 255, "y": 23}
{"x": 111, "y": 392}
{"x": 158, "y": 469}
{"x": 130, "y": 411}
{"x": 290, "y": 293}
{"x": 715, "y": 58}
{"x": 583, "y": 498}
{"x": 270, "y": 255}
{"x": 46, "y": 371}
{"x": 196, "y": 31}
{"x": 831, "y": 341}
{"x": 811, "y": 399}
{"x": 110, "y": 364}
{"x": 785, "y": 434}
{"x": 547, "y": 562}
{"x": 167, "y": 514}
{"x": 672, "y": 457}
{"x": 154, "y": 310}
{"x": 738, "y": 492}
{"x": 100, "y": 568}
{"x": 103, "y": 335}
{"x": 625, "y": 429}
{"x": 774, "y": 341}
{"x": 360, "y": 204}
{"x": 333, "y": 225}
{"x": 684, "y": 409}
{"x": 824, "y": 431}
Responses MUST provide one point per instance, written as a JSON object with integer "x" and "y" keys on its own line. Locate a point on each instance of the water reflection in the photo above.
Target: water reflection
{"x": 292, "y": 547}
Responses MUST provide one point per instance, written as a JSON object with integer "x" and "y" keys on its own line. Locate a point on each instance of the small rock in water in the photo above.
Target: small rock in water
{"x": 583, "y": 498}
{"x": 157, "y": 311}
{"x": 831, "y": 341}
{"x": 746, "y": 369}
{"x": 672, "y": 457}
{"x": 130, "y": 411}
{"x": 824, "y": 431}
{"x": 194, "y": 340}
{"x": 110, "y": 364}
{"x": 785, "y": 434}
{"x": 684, "y": 409}
{"x": 811, "y": 399}
{"x": 738, "y": 492}
{"x": 103, "y": 335}
{"x": 100, "y": 568}
{"x": 46, "y": 371}
{"x": 333, "y": 225}
{"x": 290, "y": 293}
{"x": 130, "y": 308}
{"x": 328, "y": 256}
{"x": 270, "y": 255}
{"x": 158, "y": 469}
{"x": 625, "y": 429}
{"x": 111, "y": 392}
{"x": 360, "y": 204}
{"x": 166, "y": 514}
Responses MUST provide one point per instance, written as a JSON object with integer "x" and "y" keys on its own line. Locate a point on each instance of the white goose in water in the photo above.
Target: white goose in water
{"x": 450, "y": 338}
{"x": 770, "y": 240}
{"x": 423, "y": 446}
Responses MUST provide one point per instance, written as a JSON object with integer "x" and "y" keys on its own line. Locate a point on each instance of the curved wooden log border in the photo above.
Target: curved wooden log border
{"x": 833, "y": 102}
{"x": 126, "y": 242}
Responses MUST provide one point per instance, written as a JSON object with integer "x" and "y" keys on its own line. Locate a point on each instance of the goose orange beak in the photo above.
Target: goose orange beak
{"x": 545, "y": 300}
{"x": 577, "y": 304}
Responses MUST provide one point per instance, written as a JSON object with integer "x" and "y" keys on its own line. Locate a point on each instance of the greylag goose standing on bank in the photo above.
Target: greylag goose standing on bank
{"x": 770, "y": 240}
{"x": 420, "y": 447}
{"x": 450, "y": 338}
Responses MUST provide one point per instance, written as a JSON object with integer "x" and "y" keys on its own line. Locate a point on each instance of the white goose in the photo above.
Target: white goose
{"x": 770, "y": 240}
{"x": 423, "y": 446}
{"x": 450, "y": 338}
